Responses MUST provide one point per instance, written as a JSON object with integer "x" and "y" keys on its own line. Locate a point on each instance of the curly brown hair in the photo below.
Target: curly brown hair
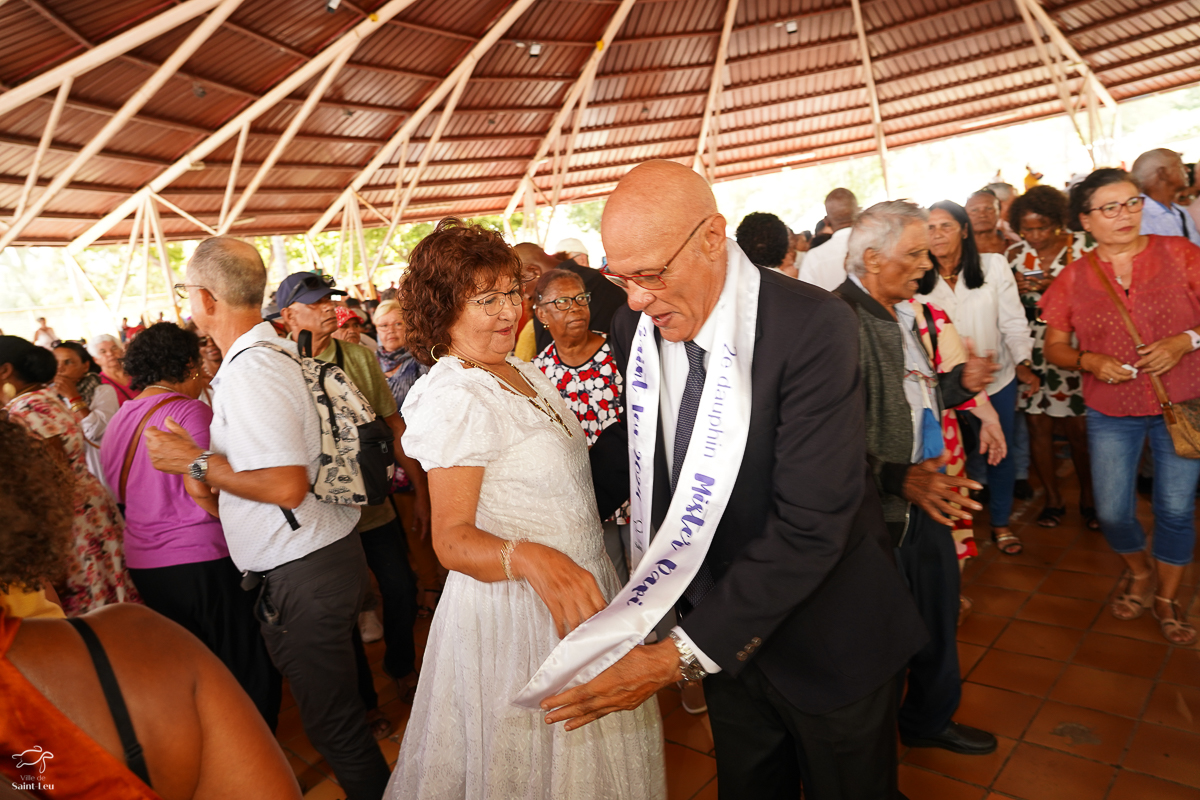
{"x": 1045, "y": 201}
{"x": 36, "y": 506}
{"x": 449, "y": 265}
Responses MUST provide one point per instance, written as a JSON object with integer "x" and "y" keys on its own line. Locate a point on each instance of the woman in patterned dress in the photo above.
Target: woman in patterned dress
{"x": 1040, "y": 216}
{"x": 581, "y": 366}
{"x": 97, "y": 574}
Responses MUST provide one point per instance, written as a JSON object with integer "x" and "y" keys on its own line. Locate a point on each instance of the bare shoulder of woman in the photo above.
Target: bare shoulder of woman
{"x": 202, "y": 736}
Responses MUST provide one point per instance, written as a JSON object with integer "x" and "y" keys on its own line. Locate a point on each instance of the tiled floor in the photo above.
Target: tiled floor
{"x": 1086, "y": 707}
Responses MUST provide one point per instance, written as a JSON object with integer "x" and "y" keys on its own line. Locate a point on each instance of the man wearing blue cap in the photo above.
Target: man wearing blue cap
{"x": 305, "y": 302}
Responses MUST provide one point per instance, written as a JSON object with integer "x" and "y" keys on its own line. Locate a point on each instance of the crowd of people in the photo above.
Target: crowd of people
{"x": 749, "y": 465}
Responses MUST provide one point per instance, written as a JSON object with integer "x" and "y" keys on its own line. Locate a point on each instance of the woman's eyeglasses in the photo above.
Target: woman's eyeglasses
{"x": 493, "y": 303}
{"x": 650, "y": 280}
{"x": 1111, "y": 210}
{"x": 564, "y": 303}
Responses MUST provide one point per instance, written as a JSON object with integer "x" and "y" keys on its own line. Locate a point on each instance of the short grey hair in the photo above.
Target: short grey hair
{"x": 1147, "y": 165}
{"x": 95, "y": 342}
{"x": 231, "y": 269}
{"x": 879, "y": 228}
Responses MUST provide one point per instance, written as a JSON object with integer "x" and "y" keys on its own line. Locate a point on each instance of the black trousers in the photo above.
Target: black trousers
{"x": 929, "y": 563}
{"x": 387, "y": 558}
{"x": 206, "y": 598}
{"x": 766, "y": 746}
{"x": 318, "y": 598}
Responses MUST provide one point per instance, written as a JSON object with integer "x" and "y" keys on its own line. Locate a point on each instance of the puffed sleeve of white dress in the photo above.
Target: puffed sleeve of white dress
{"x": 453, "y": 419}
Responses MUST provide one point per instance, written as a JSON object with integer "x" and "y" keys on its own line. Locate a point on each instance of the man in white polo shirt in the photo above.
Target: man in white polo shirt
{"x": 266, "y": 445}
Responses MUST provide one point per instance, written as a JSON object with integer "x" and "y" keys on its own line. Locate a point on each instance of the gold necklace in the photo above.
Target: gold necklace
{"x": 539, "y": 403}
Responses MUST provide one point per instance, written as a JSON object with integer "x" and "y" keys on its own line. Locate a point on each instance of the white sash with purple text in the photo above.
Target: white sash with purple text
{"x": 664, "y": 567}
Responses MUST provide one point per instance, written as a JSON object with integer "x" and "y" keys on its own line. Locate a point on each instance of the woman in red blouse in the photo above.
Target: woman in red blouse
{"x": 1158, "y": 279}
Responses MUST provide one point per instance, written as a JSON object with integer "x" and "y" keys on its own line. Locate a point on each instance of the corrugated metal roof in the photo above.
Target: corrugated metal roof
{"x": 938, "y": 65}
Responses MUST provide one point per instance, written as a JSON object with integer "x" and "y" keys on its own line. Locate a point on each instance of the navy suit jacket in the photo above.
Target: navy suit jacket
{"x": 806, "y": 583}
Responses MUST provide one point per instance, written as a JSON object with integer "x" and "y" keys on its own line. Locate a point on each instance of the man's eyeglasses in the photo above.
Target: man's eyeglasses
{"x": 181, "y": 289}
{"x": 564, "y": 303}
{"x": 493, "y": 303}
{"x": 650, "y": 280}
{"x": 1111, "y": 210}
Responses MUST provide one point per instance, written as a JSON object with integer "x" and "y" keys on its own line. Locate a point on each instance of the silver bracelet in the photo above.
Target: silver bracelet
{"x": 506, "y": 556}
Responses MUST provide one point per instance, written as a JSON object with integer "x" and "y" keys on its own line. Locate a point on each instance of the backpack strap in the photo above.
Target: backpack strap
{"x": 137, "y": 437}
{"x": 337, "y": 359}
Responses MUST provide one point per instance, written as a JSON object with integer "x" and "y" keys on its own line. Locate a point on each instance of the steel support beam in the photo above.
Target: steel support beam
{"x": 349, "y": 40}
{"x": 712, "y": 104}
{"x": 1068, "y": 51}
{"x": 593, "y": 63}
{"x": 872, "y": 94}
{"x": 284, "y": 140}
{"x": 64, "y": 90}
{"x": 118, "y": 45}
{"x": 514, "y": 12}
{"x": 146, "y": 91}
{"x": 234, "y": 169}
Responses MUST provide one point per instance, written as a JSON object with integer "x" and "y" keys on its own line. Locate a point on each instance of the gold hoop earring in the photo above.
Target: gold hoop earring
{"x": 434, "y": 355}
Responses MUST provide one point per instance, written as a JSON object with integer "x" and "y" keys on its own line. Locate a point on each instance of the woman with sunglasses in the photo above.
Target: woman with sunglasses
{"x": 581, "y": 366}
{"x": 515, "y": 522}
{"x": 1157, "y": 278}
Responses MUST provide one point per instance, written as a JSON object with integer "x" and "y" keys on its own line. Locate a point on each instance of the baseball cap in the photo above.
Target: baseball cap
{"x": 570, "y": 246}
{"x": 304, "y": 287}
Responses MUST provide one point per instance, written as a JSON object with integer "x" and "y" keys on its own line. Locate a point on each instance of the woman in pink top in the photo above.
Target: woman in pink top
{"x": 174, "y": 545}
{"x": 1158, "y": 280}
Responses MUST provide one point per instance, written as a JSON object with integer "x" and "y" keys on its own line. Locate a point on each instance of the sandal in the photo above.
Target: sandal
{"x": 381, "y": 727}
{"x": 1172, "y": 625}
{"x": 1090, "y": 518}
{"x": 1051, "y": 516}
{"x": 1007, "y": 543}
{"x": 1127, "y": 606}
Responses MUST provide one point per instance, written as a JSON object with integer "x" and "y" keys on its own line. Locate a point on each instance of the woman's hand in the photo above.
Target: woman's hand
{"x": 1029, "y": 379}
{"x": 1106, "y": 368}
{"x": 992, "y": 443}
{"x": 1163, "y": 355}
{"x": 66, "y": 385}
{"x": 567, "y": 589}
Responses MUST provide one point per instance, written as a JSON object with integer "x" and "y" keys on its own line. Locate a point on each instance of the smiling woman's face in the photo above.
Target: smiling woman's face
{"x": 480, "y": 336}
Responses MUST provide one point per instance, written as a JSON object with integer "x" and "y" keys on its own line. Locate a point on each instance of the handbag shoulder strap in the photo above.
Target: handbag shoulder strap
{"x": 137, "y": 437}
{"x": 1160, "y": 391}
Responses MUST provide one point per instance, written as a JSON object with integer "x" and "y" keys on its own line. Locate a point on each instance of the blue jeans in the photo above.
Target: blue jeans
{"x": 1002, "y": 477}
{"x": 1019, "y": 447}
{"x": 1116, "y": 445}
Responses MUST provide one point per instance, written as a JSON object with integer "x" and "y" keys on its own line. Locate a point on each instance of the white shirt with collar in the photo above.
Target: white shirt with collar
{"x": 673, "y": 363}
{"x": 1172, "y": 220}
{"x": 825, "y": 264}
{"x": 991, "y": 316}
{"x": 264, "y": 416}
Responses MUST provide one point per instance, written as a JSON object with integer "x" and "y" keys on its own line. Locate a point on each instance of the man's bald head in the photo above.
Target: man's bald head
{"x": 656, "y": 202}
{"x": 532, "y": 255}
{"x": 841, "y": 208}
{"x": 231, "y": 270}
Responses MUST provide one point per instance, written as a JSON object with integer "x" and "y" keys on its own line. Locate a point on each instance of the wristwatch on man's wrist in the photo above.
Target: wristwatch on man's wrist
{"x": 689, "y": 665}
{"x": 198, "y": 469}
{"x": 1026, "y": 363}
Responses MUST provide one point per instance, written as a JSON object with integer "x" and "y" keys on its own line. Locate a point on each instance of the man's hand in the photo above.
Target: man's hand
{"x": 935, "y": 492}
{"x": 1163, "y": 355}
{"x": 622, "y": 687}
{"x": 172, "y": 450}
{"x": 978, "y": 371}
{"x": 1029, "y": 379}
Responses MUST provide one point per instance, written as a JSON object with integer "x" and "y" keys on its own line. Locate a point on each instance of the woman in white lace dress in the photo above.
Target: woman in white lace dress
{"x": 514, "y": 519}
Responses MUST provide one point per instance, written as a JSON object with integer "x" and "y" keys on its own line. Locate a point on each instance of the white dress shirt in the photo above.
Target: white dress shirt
{"x": 991, "y": 316}
{"x": 673, "y": 363}
{"x": 825, "y": 265}
{"x": 264, "y": 416}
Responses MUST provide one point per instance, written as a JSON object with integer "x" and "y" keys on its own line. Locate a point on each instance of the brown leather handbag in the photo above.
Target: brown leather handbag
{"x": 1183, "y": 419}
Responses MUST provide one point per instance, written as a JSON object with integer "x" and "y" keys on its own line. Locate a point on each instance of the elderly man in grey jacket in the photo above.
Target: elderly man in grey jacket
{"x": 906, "y": 393}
